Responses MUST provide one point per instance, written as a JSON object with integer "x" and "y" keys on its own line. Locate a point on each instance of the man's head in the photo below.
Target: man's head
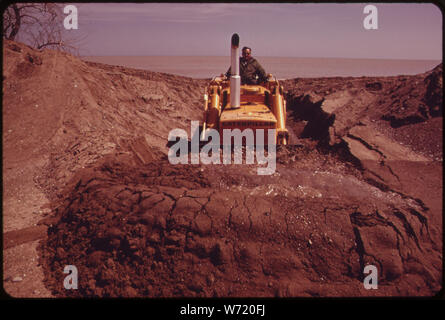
{"x": 246, "y": 52}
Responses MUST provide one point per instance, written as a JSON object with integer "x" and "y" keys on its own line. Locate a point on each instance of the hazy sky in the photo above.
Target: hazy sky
{"x": 405, "y": 31}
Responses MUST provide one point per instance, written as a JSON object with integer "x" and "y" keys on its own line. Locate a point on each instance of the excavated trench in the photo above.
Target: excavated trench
{"x": 307, "y": 120}
{"x": 303, "y": 108}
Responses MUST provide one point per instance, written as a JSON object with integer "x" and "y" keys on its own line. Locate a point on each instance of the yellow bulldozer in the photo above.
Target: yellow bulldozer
{"x": 230, "y": 105}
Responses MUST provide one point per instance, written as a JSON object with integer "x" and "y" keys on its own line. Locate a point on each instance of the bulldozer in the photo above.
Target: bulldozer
{"x": 230, "y": 105}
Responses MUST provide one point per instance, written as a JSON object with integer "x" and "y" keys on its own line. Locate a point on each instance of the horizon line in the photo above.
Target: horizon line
{"x": 228, "y": 56}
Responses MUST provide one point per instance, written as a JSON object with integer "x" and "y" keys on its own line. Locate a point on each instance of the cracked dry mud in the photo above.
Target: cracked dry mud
{"x": 360, "y": 184}
{"x": 164, "y": 230}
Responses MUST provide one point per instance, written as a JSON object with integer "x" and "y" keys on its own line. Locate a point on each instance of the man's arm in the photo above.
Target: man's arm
{"x": 260, "y": 71}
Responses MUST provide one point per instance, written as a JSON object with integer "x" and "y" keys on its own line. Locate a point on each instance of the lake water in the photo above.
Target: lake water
{"x": 282, "y": 68}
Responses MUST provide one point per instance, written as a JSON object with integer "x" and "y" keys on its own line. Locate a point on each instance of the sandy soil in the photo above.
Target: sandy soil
{"x": 86, "y": 182}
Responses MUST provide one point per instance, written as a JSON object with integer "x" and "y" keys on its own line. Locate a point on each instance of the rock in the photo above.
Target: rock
{"x": 61, "y": 253}
{"x": 374, "y": 86}
{"x": 220, "y": 254}
{"x": 96, "y": 258}
{"x": 152, "y": 97}
{"x": 203, "y": 224}
{"x": 131, "y": 292}
{"x": 115, "y": 233}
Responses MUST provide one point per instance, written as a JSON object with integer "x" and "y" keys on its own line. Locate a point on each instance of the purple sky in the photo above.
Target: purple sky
{"x": 406, "y": 31}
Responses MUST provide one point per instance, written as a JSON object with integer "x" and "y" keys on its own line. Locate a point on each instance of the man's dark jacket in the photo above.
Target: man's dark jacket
{"x": 248, "y": 70}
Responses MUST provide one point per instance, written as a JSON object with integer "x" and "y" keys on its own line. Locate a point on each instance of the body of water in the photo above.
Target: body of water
{"x": 281, "y": 67}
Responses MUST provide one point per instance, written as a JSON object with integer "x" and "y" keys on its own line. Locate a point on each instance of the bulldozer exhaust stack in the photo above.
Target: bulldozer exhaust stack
{"x": 235, "y": 79}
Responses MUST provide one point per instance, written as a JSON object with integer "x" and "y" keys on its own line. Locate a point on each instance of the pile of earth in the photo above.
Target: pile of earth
{"x": 164, "y": 230}
{"x": 360, "y": 184}
{"x": 61, "y": 114}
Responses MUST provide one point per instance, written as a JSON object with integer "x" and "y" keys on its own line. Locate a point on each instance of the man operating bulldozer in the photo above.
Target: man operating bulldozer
{"x": 251, "y": 71}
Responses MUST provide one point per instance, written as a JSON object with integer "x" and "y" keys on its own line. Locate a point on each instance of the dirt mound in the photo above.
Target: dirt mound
{"x": 406, "y": 109}
{"x": 360, "y": 184}
{"x": 184, "y": 231}
{"x": 61, "y": 114}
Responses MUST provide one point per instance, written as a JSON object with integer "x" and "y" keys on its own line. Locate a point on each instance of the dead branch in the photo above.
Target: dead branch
{"x": 39, "y": 25}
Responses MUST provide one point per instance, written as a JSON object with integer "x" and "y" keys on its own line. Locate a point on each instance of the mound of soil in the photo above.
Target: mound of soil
{"x": 164, "y": 230}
